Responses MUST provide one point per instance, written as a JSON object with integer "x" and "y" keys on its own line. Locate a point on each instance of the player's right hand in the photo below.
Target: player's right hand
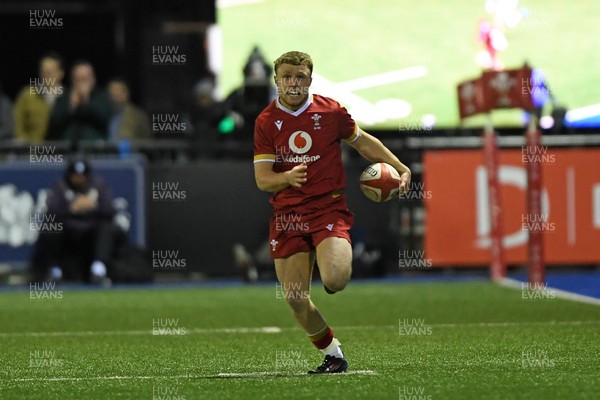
{"x": 296, "y": 176}
{"x": 405, "y": 182}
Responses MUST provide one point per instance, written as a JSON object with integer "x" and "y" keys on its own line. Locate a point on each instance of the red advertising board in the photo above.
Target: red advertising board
{"x": 458, "y": 222}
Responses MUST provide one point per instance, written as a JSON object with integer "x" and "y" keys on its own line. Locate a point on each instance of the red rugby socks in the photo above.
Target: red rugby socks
{"x": 327, "y": 343}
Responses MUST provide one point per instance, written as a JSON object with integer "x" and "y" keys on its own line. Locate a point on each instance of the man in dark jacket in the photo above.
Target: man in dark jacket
{"x": 81, "y": 239}
{"x": 84, "y": 111}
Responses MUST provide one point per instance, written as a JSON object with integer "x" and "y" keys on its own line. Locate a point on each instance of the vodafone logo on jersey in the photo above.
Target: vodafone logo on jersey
{"x": 300, "y": 142}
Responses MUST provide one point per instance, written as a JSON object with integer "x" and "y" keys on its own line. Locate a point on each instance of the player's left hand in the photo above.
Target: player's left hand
{"x": 405, "y": 182}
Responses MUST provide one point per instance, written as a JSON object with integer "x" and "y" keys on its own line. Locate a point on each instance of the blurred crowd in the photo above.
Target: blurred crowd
{"x": 49, "y": 109}
{"x": 66, "y": 102}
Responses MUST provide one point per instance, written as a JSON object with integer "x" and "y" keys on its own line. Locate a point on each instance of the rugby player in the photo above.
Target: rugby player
{"x": 298, "y": 158}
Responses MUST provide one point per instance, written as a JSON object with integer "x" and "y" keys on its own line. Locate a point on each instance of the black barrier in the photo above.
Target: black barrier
{"x": 198, "y": 211}
{"x": 203, "y": 207}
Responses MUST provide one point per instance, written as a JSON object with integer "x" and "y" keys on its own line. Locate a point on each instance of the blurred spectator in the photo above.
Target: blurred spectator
{"x": 540, "y": 91}
{"x": 84, "y": 245}
{"x": 254, "y": 95}
{"x": 207, "y": 111}
{"x": 7, "y": 122}
{"x": 84, "y": 111}
{"x": 128, "y": 121}
{"x": 209, "y": 117}
{"x": 35, "y": 102}
{"x": 550, "y": 113}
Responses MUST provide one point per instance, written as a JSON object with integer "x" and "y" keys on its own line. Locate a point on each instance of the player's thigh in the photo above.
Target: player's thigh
{"x": 294, "y": 272}
{"x": 334, "y": 257}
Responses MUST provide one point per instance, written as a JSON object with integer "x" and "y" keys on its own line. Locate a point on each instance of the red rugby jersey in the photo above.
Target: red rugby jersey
{"x": 311, "y": 134}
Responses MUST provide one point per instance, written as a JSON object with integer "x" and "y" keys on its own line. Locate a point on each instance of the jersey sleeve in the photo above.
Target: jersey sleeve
{"x": 264, "y": 151}
{"x": 347, "y": 126}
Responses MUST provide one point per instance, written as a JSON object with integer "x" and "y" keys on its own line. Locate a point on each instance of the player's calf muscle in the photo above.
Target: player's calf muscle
{"x": 298, "y": 301}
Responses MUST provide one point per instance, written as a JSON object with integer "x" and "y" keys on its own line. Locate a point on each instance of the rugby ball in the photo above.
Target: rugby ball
{"x": 380, "y": 182}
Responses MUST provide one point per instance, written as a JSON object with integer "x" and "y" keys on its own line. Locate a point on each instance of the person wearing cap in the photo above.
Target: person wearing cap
{"x": 84, "y": 235}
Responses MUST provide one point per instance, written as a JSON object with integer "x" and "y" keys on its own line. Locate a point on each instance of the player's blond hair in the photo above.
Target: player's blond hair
{"x": 294, "y": 58}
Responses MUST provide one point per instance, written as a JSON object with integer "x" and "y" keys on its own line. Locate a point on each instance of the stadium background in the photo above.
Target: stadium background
{"x": 428, "y": 47}
{"x": 211, "y": 41}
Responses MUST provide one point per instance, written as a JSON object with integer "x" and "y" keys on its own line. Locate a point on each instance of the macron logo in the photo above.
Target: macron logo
{"x": 329, "y": 227}
{"x": 279, "y": 124}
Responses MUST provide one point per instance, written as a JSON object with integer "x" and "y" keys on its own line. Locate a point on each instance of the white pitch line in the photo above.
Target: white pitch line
{"x": 362, "y": 110}
{"x": 103, "y": 378}
{"x": 260, "y": 374}
{"x": 264, "y": 329}
{"x": 384, "y": 78}
{"x": 274, "y": 329}
{"x": 235, "y": 3}
{"x": 74, "y": 333}
{"x": 515, "y": 284}
{"x": 512, "y": 324}
{"x": 276, "y": 374}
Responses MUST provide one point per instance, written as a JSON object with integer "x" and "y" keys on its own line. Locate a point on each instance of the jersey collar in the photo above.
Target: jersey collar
{"x": 298, "y": 111}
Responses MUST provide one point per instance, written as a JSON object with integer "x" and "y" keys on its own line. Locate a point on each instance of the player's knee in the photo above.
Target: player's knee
{"x": 337, "y": 278}
{"x": 336, "y": 285}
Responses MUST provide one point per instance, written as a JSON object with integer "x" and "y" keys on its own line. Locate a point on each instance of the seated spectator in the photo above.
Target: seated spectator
{"x": 84, "y": 111}
{"x": 128, "y": 120}
{"x": 84, "y": 244}
{"x": 7, "y": 122}
{"x": 34, "y": 103}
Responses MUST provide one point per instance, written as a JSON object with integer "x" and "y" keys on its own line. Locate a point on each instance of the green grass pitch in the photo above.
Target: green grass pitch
{"x": 472, "y": 340}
